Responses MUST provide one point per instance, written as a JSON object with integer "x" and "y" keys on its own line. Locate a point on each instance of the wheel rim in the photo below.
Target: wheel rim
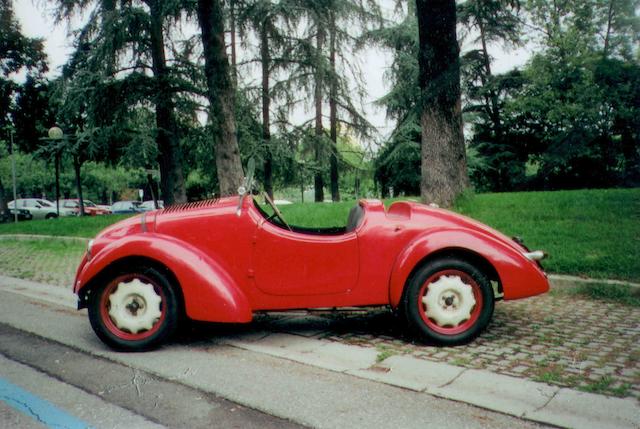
{"x": 132, "y": 307}
{"x": 450, "y": 302}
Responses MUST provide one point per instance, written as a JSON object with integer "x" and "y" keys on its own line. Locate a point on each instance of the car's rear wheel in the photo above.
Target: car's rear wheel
{"x": 448, "y": 301}
{"x": 51, "y": 216}
{"x": 134, "y": 311}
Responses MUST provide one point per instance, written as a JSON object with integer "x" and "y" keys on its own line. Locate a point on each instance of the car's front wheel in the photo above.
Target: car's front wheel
{"x": 448, "y": 301}
{"x": 134, "y": 311}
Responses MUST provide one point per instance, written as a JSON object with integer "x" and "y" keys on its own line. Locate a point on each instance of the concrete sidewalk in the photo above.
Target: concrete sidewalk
{"x": 522, "y": 398}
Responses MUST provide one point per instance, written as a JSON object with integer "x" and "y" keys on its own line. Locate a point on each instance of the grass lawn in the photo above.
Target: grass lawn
{"x": 594, "y": 233}
{"x": 71, "y": 226}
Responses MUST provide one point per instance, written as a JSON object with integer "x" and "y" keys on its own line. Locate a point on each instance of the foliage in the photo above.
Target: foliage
{"x": 33, "y": 176}
{"x": 569, "y": 118}
{"x": 17, "y": 54}
{"x": 397, "y": 164}
{"x": 503, "y": 158}
{"x": 570, "y": 107}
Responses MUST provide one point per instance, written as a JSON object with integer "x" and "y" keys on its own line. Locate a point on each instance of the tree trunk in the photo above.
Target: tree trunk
{"x": 77, "y": 165}
{"x": 152, "y": 190}
{"x": 318, "y": 181}
{"x": 221, "y": 96}
{"x": 266, "y": 106}
{"x": 232, "y": 19}
{"x": 169, "y": 153}
{"x": 607, "y": 37}
{"x": 333, "y": 107}
{"x": 3, "y": 201}
{"x": 444, "y": 169}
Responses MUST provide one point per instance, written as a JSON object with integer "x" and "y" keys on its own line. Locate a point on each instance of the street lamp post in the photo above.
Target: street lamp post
{"x": 13, "y": 174}
{"x": 56, "y": 134}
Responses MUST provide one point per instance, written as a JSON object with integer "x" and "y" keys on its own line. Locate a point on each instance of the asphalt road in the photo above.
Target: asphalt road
{"x": 48, "y": 351}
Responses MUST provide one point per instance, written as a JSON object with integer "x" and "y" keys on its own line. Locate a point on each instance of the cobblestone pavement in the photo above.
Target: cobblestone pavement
{"x": 564, "y": 340}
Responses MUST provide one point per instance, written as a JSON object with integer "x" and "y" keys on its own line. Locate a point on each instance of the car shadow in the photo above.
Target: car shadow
{"x": 350, "y": 326}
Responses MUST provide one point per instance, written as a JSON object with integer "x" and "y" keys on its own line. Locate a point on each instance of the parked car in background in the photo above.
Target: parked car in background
{"x": 10, "y": 215}
{"x": 41, "y": 208}
{"x": 122, "y": 207}
{"x": 90, "y": 208}
{"x": 149, "y": 205}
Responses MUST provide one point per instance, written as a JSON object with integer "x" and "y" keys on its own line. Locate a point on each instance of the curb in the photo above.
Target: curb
{"x": 514, "y": 396}
{"x": 563, "y": 280}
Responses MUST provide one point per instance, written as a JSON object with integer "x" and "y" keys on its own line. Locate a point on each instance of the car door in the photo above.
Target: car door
{"x": 293, "y": 263}
{"x": 34, "y": 208}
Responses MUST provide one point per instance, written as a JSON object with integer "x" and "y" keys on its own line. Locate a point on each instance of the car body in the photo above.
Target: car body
{"x": 123, "y": 207}
{"x": 41, "y": 208}
{"x": 10, "y": 214}
{"x": 90, "y": 208}
{"x": 151, "y": 205}
{"x": 224, "y": 260}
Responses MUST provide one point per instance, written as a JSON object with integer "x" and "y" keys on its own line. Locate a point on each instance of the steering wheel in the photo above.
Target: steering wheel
{"x": 276, "y": 210}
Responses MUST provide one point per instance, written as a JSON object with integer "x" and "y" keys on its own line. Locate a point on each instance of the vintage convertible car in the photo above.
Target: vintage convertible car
{"x": 223, "y": 260}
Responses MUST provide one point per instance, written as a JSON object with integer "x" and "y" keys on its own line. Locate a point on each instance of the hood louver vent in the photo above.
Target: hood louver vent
{"x": 190, "y": 206}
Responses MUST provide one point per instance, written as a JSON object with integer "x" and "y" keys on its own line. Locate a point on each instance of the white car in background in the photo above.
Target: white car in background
{"x": 149, "y": 205}
{"x": 40, "y": 208}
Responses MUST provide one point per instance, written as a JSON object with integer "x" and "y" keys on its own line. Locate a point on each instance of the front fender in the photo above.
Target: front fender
{"x": 520, "y": 277}
{"x": 210, "y": 294}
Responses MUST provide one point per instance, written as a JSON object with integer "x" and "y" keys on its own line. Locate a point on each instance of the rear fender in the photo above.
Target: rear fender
{"x": 518, "y": 276}
{"x": 210, "y": 294}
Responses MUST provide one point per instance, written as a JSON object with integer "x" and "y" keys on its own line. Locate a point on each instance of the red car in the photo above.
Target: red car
{"x": 90, "y": 208}
{"x": 223, "y": 260}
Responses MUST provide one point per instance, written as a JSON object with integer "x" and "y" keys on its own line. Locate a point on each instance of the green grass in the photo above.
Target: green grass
{"x": 621, "y": 294}
{"x": 87, "y": 226}
{"x": 384, "y": 352}
{"x": 59, "y": 248}
{"x": 316, "y": 215}
{"x": 592, "y": 233}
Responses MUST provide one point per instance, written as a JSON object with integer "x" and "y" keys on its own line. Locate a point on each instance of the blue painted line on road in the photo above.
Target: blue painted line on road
{"x": 37, "y": 408}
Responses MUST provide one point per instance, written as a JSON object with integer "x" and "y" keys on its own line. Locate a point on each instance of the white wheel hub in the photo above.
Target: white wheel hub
{"x": 449, "y": 301}
{"x": 134, "y": 306}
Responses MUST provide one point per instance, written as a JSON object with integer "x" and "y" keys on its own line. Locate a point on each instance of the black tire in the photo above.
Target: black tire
{"x": 51, "y": 216}
{"x": 463, "y": 287}
{"x": 137, "y": 305}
